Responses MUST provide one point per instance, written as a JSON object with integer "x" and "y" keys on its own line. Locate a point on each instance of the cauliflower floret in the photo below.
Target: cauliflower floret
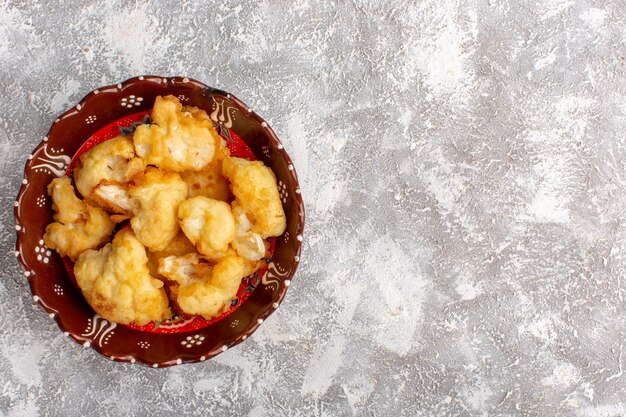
{"x": 209, "y": 182}
{"x": 110, "y": 162}
{"x": 255, "y": 190}
{"x": 78, "y": 226}
{"x": 208, "y": 223}
{"x": 178, "y": 246}
{"x": 196, "y": 113}
{"x": 185, "y": 269}
{"x": 158, "y": 193}
{"x": 204, "y": 289}
{"x": 252, "y": 266}
{"x": 248, "y": 245}
{"x": 179, "y": 139}
{"x": 117, "y": 284}
{"x": 114, "y": 198}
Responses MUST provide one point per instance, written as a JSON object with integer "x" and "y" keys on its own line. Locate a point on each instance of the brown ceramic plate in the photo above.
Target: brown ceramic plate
{"x": 108, "y": 110}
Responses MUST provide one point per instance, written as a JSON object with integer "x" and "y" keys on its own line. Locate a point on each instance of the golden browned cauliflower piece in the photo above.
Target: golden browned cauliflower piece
{"x": 204, "y": 289}
{"x": 208, "y": 224}
{"x": 115, "y": 198}
{"x": 209, "y": 182}
{"x": 179, "y": 246}
{"x": 196, "y": 113}
{"x": 180, "y": 139}
{"x": 248, "y": 244}
{"x": 117, "y": 284}
{"x": 255, "y": 190}
{"x": 158, "y": 193}
{"x": 78, "y": 226}
{"x": 251, "y": 267}
{"x": 109, "y": 163}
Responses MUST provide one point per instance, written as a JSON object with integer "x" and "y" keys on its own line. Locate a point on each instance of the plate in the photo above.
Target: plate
{"x": 103, "y": 114}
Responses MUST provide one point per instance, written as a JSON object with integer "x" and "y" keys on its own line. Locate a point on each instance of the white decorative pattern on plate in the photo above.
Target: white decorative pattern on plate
{"x": 190, "y": 341}
{"x": 282, "y": 189}
{"x": 55, "y": 163}
{"x": 43, "y": 253}
{"x": 58, "y": 290}
{"x": 286, "y": 237}
{"x": 99, "y": 329}
{"x": 131, "y": 100}
{"x": 183, "y": 98}
{"x": 234, "y": 323}
{"x": 41, "y": 200}
{"x": 222, "y": 113}
{"x": 91, "y": 119}
{"x": 38, "y": 299}
{"x": 143, "y": 345}
{"x": 274, "y": 275}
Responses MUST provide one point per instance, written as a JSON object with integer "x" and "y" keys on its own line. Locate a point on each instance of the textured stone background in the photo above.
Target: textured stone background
{"x": 463, "y": 168}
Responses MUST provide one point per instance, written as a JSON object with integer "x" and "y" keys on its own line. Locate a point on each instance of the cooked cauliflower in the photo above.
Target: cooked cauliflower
{"x": 184, "y": 269}
{"x": 204, "y": 289}
{"x": 110, "y": 162}
{"x": 251, "y": 267}
{"x": 248, "y": 245}
{"x": 196, "y": 113}
{"x": 209, "y": 182}
{"x": 180, "y": 139}
{"x": 255, "y": 190}
{"x": 115, "y": 198}
{"x": 78, "y": 226}
{"x": 178, "y": 246}
{"x": 158, "y": 193}
{"x": 208, "y": 223}
{"x": 117, "y": 284}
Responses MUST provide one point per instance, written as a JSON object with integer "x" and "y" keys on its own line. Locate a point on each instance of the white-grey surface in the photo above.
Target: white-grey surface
{"x": 463, "y": 172}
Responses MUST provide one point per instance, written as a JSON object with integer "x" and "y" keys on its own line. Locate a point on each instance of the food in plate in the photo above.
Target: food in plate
{"x": 256, "y": 192}
{"x": 192, "y": 220}
{"x": 204, "y": 289}
{"x": 78, "y": 225}
{"x": 209, "y": 224}
{"x": 117, "y": 284}
{"x": 179, "y": 246}
{"x": 159, "y": 193}
{"x": 179, "y": 139}
{"x": 102, "y": 173}
{"x": 209, "y": 182}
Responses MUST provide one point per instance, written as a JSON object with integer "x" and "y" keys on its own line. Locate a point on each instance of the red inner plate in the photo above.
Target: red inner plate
{"x": 178, "y": 324}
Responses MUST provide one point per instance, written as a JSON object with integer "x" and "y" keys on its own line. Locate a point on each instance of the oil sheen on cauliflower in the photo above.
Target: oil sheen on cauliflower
{"x": 208, "y": 223}
{"x": 117, "y": 284}
{"x": 158, "y": 193}
{"x": 256, "y": 192}
{"x": 179, "y": 139}
{"x": 204, "y": 289}
{"x": 110, "y": 162}
{"x": 78, "y": 226}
